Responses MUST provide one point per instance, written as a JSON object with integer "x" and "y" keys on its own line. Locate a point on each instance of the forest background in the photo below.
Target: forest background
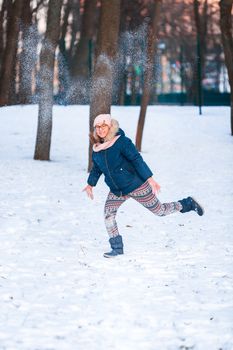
{"x": 131, "y": 52}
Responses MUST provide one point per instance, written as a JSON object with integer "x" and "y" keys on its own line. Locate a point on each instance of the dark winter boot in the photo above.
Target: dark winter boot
{"x": 189, "y": 204}
{"x": 116, "y": 245}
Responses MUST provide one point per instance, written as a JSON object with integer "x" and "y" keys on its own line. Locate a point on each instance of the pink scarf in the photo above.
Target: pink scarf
{"x": 101, "y": 146}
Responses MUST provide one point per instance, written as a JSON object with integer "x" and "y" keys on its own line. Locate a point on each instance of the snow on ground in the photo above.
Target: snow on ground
{"x": 173, "y": 288}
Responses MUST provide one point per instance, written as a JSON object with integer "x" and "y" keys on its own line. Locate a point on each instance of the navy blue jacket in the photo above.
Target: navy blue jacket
{"x": 122, "y": 165}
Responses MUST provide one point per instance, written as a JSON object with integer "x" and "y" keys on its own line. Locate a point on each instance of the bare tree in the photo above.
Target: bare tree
{"x": 46, "y": 75}
{"x": 9, "y": 57}
{"x": 102, "y": 82}
{"x": 201, "y": 31}
{"x": 28, "y": 54}
{"x": 227, "y": 41}
{"x": 77, "y": 14}
{"x": 64, "y": 54}
{"x": 149, "y": 69}
{"x": 80, "y": 65}
{"x": 2, "y": 14}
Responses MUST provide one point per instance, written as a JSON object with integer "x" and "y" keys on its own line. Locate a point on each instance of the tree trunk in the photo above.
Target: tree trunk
{"x": 75, "y": 26}
{"x": 2, "y": 13}
{"x": 201, "y": 19}
{"x": 80, "y": 67}
{"x": 46, "y": 74}
{"x": 197, "y": 88}
{"x": 149, "y": 69}
{"x": 227, "y": 41}
{"x": 27, "y": 57}
{"x": 63, "y": 56}
{"x": 9, "y": 57}
{"x": 101, "y": 89}
{"x": 133, "y": 86}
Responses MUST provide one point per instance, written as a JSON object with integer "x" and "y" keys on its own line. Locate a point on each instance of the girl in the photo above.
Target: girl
{"x": 128, "y": 176}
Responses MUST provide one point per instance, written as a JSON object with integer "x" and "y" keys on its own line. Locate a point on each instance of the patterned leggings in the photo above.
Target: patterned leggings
{"x": 144, "y": 196}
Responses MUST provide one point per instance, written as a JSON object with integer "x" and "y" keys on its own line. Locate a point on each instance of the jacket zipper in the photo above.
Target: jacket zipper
{"x": 109, "y": 172}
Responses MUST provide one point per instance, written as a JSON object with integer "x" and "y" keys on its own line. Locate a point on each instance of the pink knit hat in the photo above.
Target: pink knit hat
{"x": 103, "y": 119}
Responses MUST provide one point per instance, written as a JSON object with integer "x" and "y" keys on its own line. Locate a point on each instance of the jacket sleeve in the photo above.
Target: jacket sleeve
{"x": 94, "y": 175}
{"x": 131, "y": 153}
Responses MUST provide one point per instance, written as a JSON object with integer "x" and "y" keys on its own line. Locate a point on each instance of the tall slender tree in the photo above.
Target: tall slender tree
{"x": 80, "y": 66}
{"x": 63, "y": 55}
{"x": 7, "y": 77}
{"x": 77, "y": 13}
{"x": 149, "y": 69}
{"x": 28, "y": 54}
{"x": 2, "y": 14}
{"x": 46, "y": 76}
{"x": 106, "y": 51}
{"x": 227, "y": 41}
{"x": 201, "y": 22}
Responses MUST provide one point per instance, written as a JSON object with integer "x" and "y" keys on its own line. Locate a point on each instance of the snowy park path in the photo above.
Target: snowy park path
{"x": 172, "y": 289}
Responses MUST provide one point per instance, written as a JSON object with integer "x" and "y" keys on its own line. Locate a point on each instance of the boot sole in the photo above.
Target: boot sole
{"x": 203, "y": 211}
{"x": 110, "y": 256}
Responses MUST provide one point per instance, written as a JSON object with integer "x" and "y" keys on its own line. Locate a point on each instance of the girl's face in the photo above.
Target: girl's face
{"x": 102, "y": 130}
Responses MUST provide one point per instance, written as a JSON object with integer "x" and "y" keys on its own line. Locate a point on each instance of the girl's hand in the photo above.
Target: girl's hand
{"x": 154, "y": 186}
{"x": 88, "y": 190}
